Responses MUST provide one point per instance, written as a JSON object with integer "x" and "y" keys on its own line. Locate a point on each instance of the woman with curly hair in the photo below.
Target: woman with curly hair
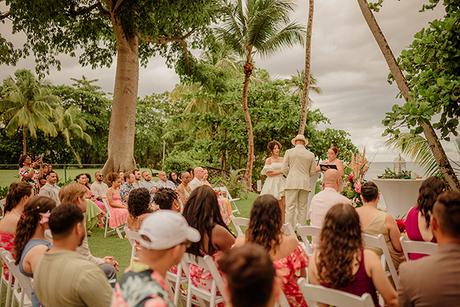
{"x": 288, "y": 257}
{"x": 342, "y": 263}
{"x": 30, "y": 243}
{"x": 138, "y": 207}
{"x": 418, "y": 226}
{"x": 18, "y": 195}
{"x": 202, "y": 213}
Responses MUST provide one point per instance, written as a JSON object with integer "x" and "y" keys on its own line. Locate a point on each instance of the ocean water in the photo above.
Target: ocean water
{"x": 377, "y": 168}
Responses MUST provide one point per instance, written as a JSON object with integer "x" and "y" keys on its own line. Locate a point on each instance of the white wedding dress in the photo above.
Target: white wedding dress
{"x": 273, "y": 185}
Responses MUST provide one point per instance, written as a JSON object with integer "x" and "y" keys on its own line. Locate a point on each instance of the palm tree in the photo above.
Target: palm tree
{"x": 27, "y": 104}
{"x": 71, "y": 125}
{"x": 307, "y": 73}
{"x": 298, "y": 85}
{"x": 430, "y": 135}
{"x": 257, "y": 27}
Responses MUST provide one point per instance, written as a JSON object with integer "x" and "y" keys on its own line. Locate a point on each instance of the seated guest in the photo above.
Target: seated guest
{"x": 99, "y": 187}
{"x": 328, "y": 197}
{"x": 417, "y": 223}
{"x": 127, "y": 186}
{"x": 250, "y": 278}
{"x": 51, "y": 189}
{"x": 183, "y": 190}
{"x": 174, "y": 178}
{"x": 205, "y": 178}
{"x": 118, "y": 211}
{"x": 30, "y": 243}
{"x": 18, "y": 195}
{"x": 138, "y": 207}
{"x": 375, "y": 222}
{"x": 202, "y": 212}
{"x": 197, "y": 181}
{"x": 435, "y": 280}
{"x": 289, "y": 259}
{"x": 163, "y": 182}
{"x": 74, "y": 193}
{"x": 342, "y": 263}
{"x": 163, "y": 237}
{"x": 63, "y": 277}
{"x": 137, "y": 177}
{"x": 147, "y": 182}
{"x": 167, "y": 199}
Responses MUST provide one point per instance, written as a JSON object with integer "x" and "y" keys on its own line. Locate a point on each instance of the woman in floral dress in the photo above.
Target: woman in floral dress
{"x": 118, "y": 212}
{"x": 289, "y": 259}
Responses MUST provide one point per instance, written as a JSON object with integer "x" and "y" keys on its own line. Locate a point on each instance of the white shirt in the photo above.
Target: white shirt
{"x": 99, "y": 189}
{"x": 195, "y": 183}
{"x": 322, "y": 202}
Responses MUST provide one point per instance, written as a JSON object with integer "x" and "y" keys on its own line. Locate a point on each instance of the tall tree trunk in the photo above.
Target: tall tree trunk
{"x": 430, "y": 134}
{"x": 306, "y": 77}
{"x": 248, "y": 67}
{"x": 24, "y": 140}
{"x": 123, "y": 117}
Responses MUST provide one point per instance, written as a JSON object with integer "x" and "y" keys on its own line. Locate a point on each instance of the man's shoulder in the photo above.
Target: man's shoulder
{"x": 410, "y": 269}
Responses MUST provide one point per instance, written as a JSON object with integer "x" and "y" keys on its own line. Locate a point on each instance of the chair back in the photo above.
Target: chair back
{"x": 315, "y": 294}
{"x": 21, "y": 281}
{"x": 287, "y": 229}
{"x": 239, "y": 222}
{"x": 211, "y": 266}
{"x": 131, "y": 236}
{"x": 379, "y": 243}
{"x": 419, "y": 247}
{"x": 232, "y": 200}
{"x": 308, "y": 231}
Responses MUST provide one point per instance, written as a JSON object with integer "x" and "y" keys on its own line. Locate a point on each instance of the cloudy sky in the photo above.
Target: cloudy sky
{"x": 347, "y": 62}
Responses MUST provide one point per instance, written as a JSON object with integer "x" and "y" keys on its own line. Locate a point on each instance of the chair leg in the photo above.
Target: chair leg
{"x": 119, "y": 233}
{"x": 106, "y": 226}
{"x": 9, "y": 288}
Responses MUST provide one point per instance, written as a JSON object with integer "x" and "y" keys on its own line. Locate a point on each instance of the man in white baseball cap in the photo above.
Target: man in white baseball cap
{"x": 162, "y": 240}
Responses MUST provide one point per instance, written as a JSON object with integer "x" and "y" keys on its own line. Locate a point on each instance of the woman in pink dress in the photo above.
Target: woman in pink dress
{"x": 202, "y": 213}
{"x": 289, "y": 259}
{"x": 418, "y": 226}
{"x": 18, "y": 195}
{"x": 118, "y": 211}
{"x": 342, "y": 263}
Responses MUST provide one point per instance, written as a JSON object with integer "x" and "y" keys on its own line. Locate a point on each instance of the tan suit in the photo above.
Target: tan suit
{"x": 432, "y": 280}
{"x": 299, "y": 164}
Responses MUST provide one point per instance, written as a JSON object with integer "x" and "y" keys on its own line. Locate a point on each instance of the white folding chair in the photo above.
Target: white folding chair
{"x": 6, "y": 256}
{"x": 117, "y": 230}
{"x": 419, "y": 247}
{"x": 282, "y": 300}
{"x": 308, "y": 231}
{"x": 22, "y": 288}
{"x": 175, "y": 281}
{"x": 315, "y": 294}
{"x": 287, "y": 229}
{"x": 202, "y": 295}
{"x": 130, "y": 235}
{"x": 230, "y": 198}
{"x": 239, "y": 222}
{"x": 378, "y": 242}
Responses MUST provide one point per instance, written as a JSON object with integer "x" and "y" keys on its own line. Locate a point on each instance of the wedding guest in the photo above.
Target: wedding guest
{"x": 163, "y": 239}
{"x": 342, "y": 263}
{"x": 137, "y": 177}
{"x": 94, "y": 208}
{"x": 29, "y": 171}
{"x": 30, "y": 243}
{"x": 250, "y": 278}
{"x": 138, "y": 207}
{"x": 333, "y": 160}
{"x": 202, "y": 212}
{"x": 83, "y": 180}
{"x": 325, "y": 199}
{"x": 273, "y": 169}
{"x": 375, "y": 222}
{"x": 196, "y": 182}
{"x": 183, "y": 189}
{"x": 75, "y": 193}
{"x": 122, "y": 176}
{"x": 174, "y": 178}
{"x": 118, "y": 211}
{"x": 148, "y": 182}
{"x": 434, "y": 280}
{"x": 205, "y": 178}
{"x": 44, "y": 170}
{"x": 163, "y": 181}
{"x": 99, "y": 187}
{"x": 167, "y": 199}
{"x": 127, "y": 187}
{"x": 64, "y": 277}
{"x": 51, "y": 189}
{"x": 289, "y": 259}
{"x": 18, "y": 195}
{"x": 418, "y": 225}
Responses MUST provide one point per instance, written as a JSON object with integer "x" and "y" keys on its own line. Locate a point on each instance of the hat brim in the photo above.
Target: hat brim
{"x": 191, "y": 235}
{"x": 294, "y": 140}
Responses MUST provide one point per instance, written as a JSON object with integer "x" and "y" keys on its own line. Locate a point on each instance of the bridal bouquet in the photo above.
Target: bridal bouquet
{"x": 354, "y": 177}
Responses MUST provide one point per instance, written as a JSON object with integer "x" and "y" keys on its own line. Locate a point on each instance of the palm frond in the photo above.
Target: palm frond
{"x": 288, "y": 36}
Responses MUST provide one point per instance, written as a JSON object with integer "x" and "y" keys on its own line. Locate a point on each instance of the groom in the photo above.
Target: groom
{"x": 299, "y": 164}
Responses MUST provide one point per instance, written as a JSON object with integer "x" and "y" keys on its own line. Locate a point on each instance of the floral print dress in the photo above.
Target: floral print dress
{"x": 7, "y": 243}
{"x": 287, "y": 269}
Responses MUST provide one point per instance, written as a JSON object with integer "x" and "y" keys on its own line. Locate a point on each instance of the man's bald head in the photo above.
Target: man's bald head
{"x": 331, "y": 179}
{"x": 198, "y": 172}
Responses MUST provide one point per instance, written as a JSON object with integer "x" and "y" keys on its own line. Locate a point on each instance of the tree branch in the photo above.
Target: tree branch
{"x": 74, "y": 12}
{"x": 168, "y": 39}
{"x": 5, "y": 15}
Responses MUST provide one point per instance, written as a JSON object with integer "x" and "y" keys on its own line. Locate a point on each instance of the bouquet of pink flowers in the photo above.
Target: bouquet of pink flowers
{"x": 354, "y": 177}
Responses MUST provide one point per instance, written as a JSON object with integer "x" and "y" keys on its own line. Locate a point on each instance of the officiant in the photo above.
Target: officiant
{"x": 332, "y": 162}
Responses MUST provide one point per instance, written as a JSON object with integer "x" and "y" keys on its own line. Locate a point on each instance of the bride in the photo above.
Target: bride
{"x": 274, "y": 184}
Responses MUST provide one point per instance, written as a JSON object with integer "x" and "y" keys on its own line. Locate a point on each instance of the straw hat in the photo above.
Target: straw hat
{"x": 299, "y": 137}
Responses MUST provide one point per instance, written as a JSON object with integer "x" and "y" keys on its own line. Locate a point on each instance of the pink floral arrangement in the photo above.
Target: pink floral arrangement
{"x": 357, "y": 170}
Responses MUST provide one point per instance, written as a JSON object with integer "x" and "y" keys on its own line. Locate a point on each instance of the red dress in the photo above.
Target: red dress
{"x": 287, "y": 269}
{"x": 7, "y": 243}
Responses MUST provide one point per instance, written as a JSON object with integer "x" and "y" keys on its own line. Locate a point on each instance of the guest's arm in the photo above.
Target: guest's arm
{"x": 393, "y": 230}
{"x": 374, "y": 269}
{"x": 222, "y": 238}
{"x": 285, "y": 167}
{"x": 111, "y": 202}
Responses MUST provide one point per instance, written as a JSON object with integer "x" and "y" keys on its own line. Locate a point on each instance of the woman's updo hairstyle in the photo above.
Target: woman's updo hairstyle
{"x": 369, "y": 191}
{"x": 16, "y": 192}
{"x": 271, "y": 146}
